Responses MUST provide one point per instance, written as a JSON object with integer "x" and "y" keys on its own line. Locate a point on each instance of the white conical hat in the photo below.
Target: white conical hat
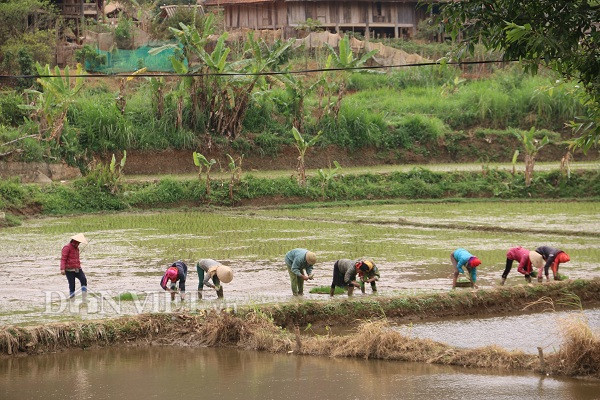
{"x": 224, "y": 273}
{"x": 79, "y": 238}
{"x": 311, "y": 258}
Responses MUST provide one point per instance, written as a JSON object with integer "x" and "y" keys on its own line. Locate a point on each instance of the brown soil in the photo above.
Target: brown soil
{"x": 153, "y": 162}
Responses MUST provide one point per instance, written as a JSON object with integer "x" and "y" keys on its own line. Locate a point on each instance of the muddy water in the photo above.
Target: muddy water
{"x": 180, "y": 373}
{"x": 523, "y": 332}
{"x": 130, "y": 251}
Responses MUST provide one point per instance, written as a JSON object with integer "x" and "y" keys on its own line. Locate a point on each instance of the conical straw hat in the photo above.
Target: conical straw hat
{"x": 311, "y": 258}
{"x": 224, "y": 273}
{"x": 79, "y": 238}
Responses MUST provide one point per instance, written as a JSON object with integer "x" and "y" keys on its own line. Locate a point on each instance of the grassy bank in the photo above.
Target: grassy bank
{"x": 95, "y": 193}
{"x": 411, "y": 112}
{"x": 260, "y": 328}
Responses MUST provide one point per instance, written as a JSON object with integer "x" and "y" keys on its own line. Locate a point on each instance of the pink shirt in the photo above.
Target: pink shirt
{"x": 519, "y": 254}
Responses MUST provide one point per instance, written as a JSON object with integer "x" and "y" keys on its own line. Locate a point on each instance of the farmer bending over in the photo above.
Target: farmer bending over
{"x": 176, "y": 272}
{"x": 522, "y": 256}
{"x": 344, "y": 274}
{"x": 553, "y": 257}
{"x": 71, "y": 266}
{"x": 210, "y": 269}
{"x": 461, "y": 257}
{"x": 370, "y": 276}
{"x": 299, "y": 261}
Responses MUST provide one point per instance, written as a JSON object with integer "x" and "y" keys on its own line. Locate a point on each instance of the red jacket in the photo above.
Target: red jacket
{"x": 522, "y": 256}
{"x": 70, "y": 257}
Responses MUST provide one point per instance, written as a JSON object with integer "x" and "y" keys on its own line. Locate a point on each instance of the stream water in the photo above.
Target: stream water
{"x": 186, "y": 373}
{"x": 520, "y": 332}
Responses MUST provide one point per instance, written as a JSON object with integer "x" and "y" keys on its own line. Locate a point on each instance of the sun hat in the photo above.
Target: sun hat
{"x": 224, "y": 273}
{"x": 79, "y": 238}
{"x": 311, "y": 258}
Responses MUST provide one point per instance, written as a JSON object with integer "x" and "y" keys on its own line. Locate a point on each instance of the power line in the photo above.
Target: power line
{"x": 267, "y": 73}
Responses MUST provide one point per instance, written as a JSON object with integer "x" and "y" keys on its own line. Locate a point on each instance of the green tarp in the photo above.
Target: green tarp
{"x": 119, "y": 61}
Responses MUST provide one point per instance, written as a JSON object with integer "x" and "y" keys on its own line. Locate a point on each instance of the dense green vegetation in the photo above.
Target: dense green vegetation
{"x": 95, "y": 193}
{"x": 411, "y": 109}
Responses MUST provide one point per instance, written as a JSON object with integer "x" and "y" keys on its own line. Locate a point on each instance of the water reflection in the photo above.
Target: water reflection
{"x": 185, "y": 373}
{"x": 520, "y": 332}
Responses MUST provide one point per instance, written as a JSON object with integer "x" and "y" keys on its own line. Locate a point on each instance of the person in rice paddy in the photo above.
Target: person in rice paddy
{"x": 209, "y": 269}
{"x": 462, "y": 258}
{"x": 177, "y": 272}
{"x": 300, "y": 264}
{"x": 370, "y": 276}
{"x": 547, "y": 257}
{"x": 522, "y": 256}
{"x": 70, "y": 265}
{"x": 345, "y": 272}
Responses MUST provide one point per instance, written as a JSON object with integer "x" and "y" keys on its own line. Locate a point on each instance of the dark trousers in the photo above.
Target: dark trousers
{"x": 338, "y": 278}
{"x": 71, "y": 279}
{"x": 509, "y": 266}
{"x": 215, "y": 280}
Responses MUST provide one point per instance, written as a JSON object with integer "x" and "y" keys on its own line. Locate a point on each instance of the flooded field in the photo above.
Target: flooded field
{"x": 186, "y": 373}
{"x": 522, "y": 332}
{"x": 130, "y": 251}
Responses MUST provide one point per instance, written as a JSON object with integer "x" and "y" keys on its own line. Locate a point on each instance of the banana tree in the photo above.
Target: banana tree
{"x": 158, "y": 95}
{"x": 50, "y": 106}
{"x": 235, "y": 169}
{"x": 302, "y": 145}
{"x": 531, "y": 146}
{"x": 326, "y": 175}
{"x": 343, "y": 58}
{"x": 298, "y": 89}
{"x": 121, "y": 99}
{"x": 202, "y": 162}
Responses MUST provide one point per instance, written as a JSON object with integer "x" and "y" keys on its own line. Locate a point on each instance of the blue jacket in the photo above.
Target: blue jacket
{"x": 462, "y": 257}
{"x": 296, "y": 261}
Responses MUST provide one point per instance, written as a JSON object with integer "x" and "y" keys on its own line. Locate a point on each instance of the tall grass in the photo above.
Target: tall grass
{"x": 507, "y": 99}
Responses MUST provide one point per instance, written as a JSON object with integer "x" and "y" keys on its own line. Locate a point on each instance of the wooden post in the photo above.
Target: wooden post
{"x": 542, "y": 361}
{"x": 369, "y": 16}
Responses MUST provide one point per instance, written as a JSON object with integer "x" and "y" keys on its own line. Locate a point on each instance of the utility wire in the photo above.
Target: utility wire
{"x": 267, "y": 73}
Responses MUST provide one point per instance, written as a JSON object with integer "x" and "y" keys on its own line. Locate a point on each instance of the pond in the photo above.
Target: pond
{"x": 192, "y": 373}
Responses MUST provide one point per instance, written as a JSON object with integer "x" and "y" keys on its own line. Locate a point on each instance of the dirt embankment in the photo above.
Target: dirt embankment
{"x": 155, "y": 162}
{"x": 260, "y": 328}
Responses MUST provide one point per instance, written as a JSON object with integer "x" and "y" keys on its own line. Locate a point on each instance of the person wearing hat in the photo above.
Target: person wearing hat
{"x": 462, "y": 258}
{"x": 344, "y": 274}
{"x": 176, "y": 272}
{"x": 70, "y": 265}
{"x": 299, "y": 261}
{"x": 552, "y": 257}
{"x": 370, "y": 276}
{"x": 210, "y": 269}
{"x": 522, "y": 256}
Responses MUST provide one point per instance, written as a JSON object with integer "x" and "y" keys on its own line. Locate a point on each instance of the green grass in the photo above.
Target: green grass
{"x": 127, "y": 296}
{"x": 325, "y": 290}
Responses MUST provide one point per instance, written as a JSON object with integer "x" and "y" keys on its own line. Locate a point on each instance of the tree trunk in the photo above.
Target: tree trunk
{"x": 529, "y": 163}
{"x": 179, "y": 117}
{"x": 207, "y": 184}
{"x": 160, "y": 102}
{"x": 301, "y": 170}
{"x": 58, "y": 126}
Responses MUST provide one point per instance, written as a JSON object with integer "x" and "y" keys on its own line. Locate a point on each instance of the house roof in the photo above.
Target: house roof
{"x": 169, "y": 11}
{"x": 113, "y": 6}
{"x": 228, "y": 2}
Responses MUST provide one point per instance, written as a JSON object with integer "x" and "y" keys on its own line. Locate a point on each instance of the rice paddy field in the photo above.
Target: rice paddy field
{"x": 410, "y": 243}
